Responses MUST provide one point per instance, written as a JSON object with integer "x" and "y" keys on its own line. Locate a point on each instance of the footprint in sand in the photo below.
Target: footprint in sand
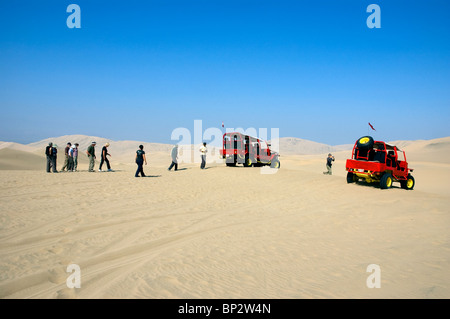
{"x": 57, "y": 275}
{"x": 56, "y": 250}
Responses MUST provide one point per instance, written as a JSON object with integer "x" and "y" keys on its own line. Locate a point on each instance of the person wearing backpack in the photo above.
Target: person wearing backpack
{"x": 50, "y": 152}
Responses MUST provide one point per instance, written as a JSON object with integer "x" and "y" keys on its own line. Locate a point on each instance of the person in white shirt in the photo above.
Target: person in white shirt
{"x": 203, "y": 151}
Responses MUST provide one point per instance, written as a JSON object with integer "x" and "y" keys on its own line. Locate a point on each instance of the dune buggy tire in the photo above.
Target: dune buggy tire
{"x": 409, "y": 183}
{"x": 231, "y": 164}
{"x": 351, "y": 178}
{"x": 386, "y": 181}
{"x": 248, "y": 162}
{"x": 275, "y": 164}
{"x": 365, "y": 142}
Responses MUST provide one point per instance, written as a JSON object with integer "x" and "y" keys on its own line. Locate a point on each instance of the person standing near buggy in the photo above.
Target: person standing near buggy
{"x": 330, "y": 159}
{"x": 66, "y": 154}
{"x": 203, "y": 151}
{"x": 140, "y": 159}
{"x": 104, "y": 158}
{"x": 91, "y": 155}
{"x": 50, "y": 152}
{"x": 174, "y": 156}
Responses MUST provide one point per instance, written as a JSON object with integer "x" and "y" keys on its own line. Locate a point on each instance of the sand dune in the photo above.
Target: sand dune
{"x": 223, "y": 232}
{"x": 17, "y": 147}
{"x": 12, "y": 159}
{"x": 298, "y": 146}
{"x": 426, "y": 150}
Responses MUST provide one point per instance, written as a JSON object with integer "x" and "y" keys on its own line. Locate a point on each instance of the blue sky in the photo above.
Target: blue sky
{"x": 136, "y": 70}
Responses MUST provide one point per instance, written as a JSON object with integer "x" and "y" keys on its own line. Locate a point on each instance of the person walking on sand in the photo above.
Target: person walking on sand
{"x": 91, "y": 155}
{"x": 330, "y": 159}
{"x": 203, "y": 151}
{"x": 140, "y": 159}
{"x": 75, "y": 156}
{"x": 70, "y": 157}
{"x": 66, "y": 159}
{"x": 104, "y": 158}
{"x": 174, "y": 155}
{"x": 50, "y": 152}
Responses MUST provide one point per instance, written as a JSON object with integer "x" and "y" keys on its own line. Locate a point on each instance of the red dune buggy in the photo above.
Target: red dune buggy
{"x": 378, "y": 162}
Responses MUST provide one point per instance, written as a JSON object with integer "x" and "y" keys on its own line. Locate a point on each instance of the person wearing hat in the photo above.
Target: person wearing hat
{"x": 104, "y": 158}
{"x": 174, "y": 155}
{"x": 50, "y": 152}
{"x": 91, "y": 155}
{"x": 73, "y": 158}
{"x": 66, "y": 160}
{"x": 330, "y": 159}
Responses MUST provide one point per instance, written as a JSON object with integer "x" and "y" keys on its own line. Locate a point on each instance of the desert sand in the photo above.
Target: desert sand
{"x": 223, "y": 232}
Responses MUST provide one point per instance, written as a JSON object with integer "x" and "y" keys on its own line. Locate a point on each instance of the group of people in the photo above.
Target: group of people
{"x": 141, "y": 159}
{"x": 71, "y": 157}
{"x": 90, "y": 152}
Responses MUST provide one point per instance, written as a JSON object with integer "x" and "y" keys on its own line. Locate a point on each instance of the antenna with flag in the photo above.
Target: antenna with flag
{"x": 371, "y": 126}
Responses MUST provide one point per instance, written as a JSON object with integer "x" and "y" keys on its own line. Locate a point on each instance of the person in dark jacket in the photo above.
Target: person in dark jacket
{"x": 104, "y": 158}
{"x": 330, "y": 159}
{"x": 50, "y": 152}
{"x": 140, "y": 159}
{"x": 174, "y": 156}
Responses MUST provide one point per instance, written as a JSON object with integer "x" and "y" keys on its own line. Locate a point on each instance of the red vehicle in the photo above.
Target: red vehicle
{"x": 247, "y": 150}
{"x": 378, "y": 162}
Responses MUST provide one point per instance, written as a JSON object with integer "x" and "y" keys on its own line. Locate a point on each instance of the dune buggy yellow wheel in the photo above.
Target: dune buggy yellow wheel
{"x": 275, "y": 164}
{"x": 386, "y": 181}
{"x": 409, "y": 183}
{"x": 365, "y": 142}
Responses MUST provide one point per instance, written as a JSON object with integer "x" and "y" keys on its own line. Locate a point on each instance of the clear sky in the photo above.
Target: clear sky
{"x": 136, "y": 70}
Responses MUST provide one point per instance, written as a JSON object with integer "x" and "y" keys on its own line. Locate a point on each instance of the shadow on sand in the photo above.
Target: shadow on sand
{"x": 146, "y": 176}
